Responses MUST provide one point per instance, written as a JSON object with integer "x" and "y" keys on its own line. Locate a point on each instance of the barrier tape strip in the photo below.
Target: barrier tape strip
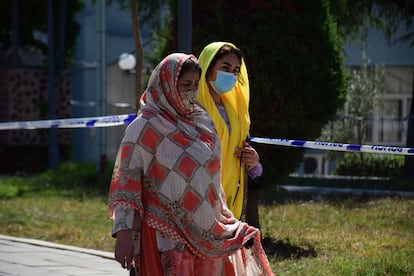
{"x": 95, "y": 104}
{"x": 335, "y": 146}
{"x": 102, "y": 121}
{"x": 124, "y": 119}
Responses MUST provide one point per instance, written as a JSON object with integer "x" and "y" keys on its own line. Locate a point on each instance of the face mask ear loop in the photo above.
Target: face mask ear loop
{"x": 238, "y": 183}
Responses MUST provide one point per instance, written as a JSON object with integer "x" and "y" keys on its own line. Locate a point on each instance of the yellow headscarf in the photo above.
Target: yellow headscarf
{"x": 236, "y": 103}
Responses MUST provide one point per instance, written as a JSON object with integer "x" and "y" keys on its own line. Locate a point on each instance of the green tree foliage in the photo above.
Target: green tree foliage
{"x": 293, "y": 56}
{"x": 33, "y": 27}
{"x": 292, "y": 51}
{"x": 356, "y": 17}
{"x": 307, "y": 78}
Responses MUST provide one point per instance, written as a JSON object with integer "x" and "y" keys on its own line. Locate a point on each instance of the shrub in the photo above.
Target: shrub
{"x": 71, "y": 179}
{"x": 381, "y": 165}
{"x": 293, "y": 56}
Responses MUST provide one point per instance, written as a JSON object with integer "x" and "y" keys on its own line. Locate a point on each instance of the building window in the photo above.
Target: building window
{"x": 389, "y": 125}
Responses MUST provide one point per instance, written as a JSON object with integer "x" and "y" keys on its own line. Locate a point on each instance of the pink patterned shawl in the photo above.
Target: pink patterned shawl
{"x": 168, "y": 169}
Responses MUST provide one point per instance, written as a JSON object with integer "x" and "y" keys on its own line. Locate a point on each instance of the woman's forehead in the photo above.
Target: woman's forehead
{"x": 190, "y": 75}
{"x": 229, "y": 59}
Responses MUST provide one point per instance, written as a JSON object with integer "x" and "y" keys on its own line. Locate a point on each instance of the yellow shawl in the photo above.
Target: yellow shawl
{"x": 236, "y": 103}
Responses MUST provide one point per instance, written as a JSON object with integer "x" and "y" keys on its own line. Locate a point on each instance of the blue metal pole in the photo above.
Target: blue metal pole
{"x": 101, "y": 82}
{"x": 15, "y": 32}
{"x": 62, "y": 36}
{"x": 53, "y": 152}
{"x": 184, "y": 26}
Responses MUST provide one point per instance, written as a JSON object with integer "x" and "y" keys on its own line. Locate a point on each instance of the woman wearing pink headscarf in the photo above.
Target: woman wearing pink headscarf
{"x": 165, "y": 197}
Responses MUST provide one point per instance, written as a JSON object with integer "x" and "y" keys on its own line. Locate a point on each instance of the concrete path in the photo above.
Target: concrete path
{"x": 20, "y": 257}
{"x": 329, "y": 190}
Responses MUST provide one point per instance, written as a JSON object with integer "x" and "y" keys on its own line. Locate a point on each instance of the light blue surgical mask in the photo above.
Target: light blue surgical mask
{"x": 224, "y": 82}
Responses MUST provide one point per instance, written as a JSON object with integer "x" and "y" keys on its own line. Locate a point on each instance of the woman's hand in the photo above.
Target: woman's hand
{"x": 248, "y": 155}
{"x": 124, "y": 249}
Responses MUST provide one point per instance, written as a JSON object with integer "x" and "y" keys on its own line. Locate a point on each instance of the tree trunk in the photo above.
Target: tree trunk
{"x": 252, "y": 206}
{"x": 408, "y": 170}
{"x": 138, "y": 49}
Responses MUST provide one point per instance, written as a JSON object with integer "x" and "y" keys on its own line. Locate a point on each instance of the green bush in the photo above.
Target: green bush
{"x": 294, "y": 58}
{"x": 71, "y": 179}
{"x": 381, "y": 165}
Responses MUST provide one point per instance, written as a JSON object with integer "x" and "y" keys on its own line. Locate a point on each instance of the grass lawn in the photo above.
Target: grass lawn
{"x": 303, "y": 234}
{"x": 341, "y": 236}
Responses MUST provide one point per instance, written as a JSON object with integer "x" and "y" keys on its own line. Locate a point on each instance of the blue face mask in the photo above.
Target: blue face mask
{"x": 224, "y": 82}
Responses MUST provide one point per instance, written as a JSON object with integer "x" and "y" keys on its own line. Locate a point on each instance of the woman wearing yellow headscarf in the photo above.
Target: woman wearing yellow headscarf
{"x": 224, "y": 93}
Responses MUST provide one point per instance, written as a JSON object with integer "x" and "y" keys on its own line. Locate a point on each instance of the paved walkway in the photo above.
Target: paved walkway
{"x": 20, "y": 257}
{"x": 329, "y": 190}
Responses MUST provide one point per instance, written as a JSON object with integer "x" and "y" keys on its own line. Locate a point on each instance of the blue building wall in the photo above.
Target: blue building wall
{"x": 119, "y": 39}
{"x": 380, "y": 51}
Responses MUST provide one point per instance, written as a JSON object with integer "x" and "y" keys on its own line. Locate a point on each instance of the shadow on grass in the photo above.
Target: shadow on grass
{"x": 282, "y": 250}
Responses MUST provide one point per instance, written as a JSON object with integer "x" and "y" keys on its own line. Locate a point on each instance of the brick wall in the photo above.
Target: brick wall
{"x": 24, "y": 96}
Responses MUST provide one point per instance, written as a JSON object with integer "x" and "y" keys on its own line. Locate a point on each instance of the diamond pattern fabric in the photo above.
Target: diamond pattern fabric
{"x": 168, "y": 171}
